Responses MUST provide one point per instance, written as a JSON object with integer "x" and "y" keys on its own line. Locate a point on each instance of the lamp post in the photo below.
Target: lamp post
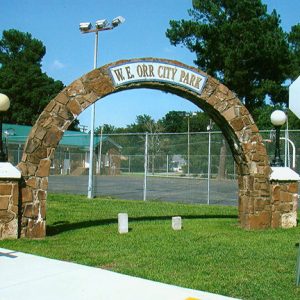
{"x": 278, "y": 118}
{"x": 100, "y": 25}
{"x": 4, "y": 106}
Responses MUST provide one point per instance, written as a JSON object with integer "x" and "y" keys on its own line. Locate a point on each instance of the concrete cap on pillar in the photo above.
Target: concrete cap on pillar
{"x": 284, "y": 174}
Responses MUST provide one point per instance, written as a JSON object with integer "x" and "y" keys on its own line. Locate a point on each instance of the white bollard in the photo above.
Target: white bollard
{"x": 176, "y": 223}
{"x": 123, "y": 223}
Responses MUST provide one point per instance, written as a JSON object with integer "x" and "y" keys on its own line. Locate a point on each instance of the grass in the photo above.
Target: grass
{"x": 211, "y": 253}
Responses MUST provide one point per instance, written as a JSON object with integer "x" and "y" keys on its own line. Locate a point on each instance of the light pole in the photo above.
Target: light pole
{"x": 4, "y": 106}
{"x": 188, "y": 138}
{"x": 278, "y": 118}
{"x": 100, "y": 25}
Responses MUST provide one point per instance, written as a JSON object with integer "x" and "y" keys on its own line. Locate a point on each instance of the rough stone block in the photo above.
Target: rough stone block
{"x": 40, "y": 133}
{"x": 32, "y": 182}
{"x": 295, "y": 201}
{"x": 260, "y": 220}
{"x": 285, "y": 196}
{"x": 31, "y": 169}
{"x": 44, "y": 183}
{"x": 32, "y": 145}
{"x": 42, "y": 195}
{"x": 230, "y": 113}
{"x": 28, "y": 213}
{"x": 50, "y": 106}
{"x": 62, "y": 98}
{"x": 35, "y": 229}
{"x": 237, "y": 124}
{"x": 10, "y": 230}
{"x": 276, "y": 219}
{"x": 4, "y": 200}
{"x": 5, "y": 189}
{"x": 52, "y": 137}
{"x": 246, "y": 120}
{"x": 43, "y": 168}
{"x": 74, "y": 107}
{"x": 65, "y": 114}
{"x": 260, "y": 204}
{"x": 276, "y": 192}
{"x": 43, "y": 209}
{"x": 45, "y": 120}
{"x": 289, "y": 220}
{"x": 75, "y": 88}
{"x": 26, "y": 194}
{"x": 293, "y": 187}
{"x": 15, "y": 194}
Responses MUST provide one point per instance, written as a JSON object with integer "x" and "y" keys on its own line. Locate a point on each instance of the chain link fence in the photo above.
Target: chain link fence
{"x": 191, "y": 168}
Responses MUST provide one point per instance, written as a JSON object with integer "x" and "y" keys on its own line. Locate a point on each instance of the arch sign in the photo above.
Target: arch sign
{"x": 222, "y": 106}
{"x": 157, "y": 71}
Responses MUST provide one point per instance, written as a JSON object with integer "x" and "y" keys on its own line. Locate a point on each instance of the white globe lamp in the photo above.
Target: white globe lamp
{"x": 4, "y": 106}
{"x": 278, "y": 118}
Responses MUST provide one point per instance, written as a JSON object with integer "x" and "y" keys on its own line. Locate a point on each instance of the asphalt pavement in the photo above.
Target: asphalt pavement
{"x": 170, "y": 189}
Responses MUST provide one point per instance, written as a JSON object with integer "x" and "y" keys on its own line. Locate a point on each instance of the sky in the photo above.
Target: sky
{"x": 70, "y": 54}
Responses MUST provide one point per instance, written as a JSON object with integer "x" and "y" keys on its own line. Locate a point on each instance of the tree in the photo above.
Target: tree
{"x": 177, "y": 121}
{"x": 174, "y": 121}
{"x": 263, "y": 121}
{"x": 145, "y": 123}
{"x": 294, "y": 41}
{"x": 106, "y": 129}
{"x": 22, "y": 79}
{"x": 239, "y": 43}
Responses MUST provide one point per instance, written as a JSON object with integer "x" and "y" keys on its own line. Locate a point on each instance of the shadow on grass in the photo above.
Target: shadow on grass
{"x": 63, "y": 226}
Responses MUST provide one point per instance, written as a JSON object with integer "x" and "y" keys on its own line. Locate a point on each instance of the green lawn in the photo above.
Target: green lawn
{"x": 211, "y": 253}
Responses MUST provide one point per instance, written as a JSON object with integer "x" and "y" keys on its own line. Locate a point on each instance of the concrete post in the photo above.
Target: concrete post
{"x": 176, "y": 223}
{"x": 123, "y": 223}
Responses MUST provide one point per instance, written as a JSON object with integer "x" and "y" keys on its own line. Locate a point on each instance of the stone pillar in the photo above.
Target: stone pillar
{"x": 284, "y": 197}
{"x": 9, "y": 201}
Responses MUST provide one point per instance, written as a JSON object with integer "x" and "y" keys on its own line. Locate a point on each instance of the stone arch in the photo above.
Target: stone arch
{"x": 207, "y": 93}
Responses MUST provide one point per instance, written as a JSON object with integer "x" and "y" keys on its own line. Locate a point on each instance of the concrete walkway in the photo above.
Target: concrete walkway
{"x": 27, "y": 277}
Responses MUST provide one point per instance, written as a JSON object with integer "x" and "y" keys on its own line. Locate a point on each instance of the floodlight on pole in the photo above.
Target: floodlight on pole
{"x": 86, "y": 27}
{"x": 4, "y": 106}
{"x": 117, "y": 21}
{"x": 101, "y": 24}
{"x": 278, "y": 118}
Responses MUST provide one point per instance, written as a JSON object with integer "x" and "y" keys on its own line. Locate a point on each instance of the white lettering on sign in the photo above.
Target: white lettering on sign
{"x": 157, "y": 71}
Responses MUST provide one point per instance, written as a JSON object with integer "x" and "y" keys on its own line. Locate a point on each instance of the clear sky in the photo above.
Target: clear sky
{"x": 70, "y": 53}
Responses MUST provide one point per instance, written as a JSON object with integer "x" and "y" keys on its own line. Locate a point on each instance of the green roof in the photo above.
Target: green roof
{"x": 70, "y": 138}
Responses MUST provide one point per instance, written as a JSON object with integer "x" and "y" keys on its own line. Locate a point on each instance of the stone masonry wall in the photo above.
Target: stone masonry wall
{"x": 9, "y": 208}
{"x": 284, "y": 204}
{"x": 223, "y": 107}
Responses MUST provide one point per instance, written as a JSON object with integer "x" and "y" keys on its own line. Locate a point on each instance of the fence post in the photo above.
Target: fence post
{"x": 209, "y": 127}
{"x": 100, "y": 149}
{"x": 298, "y": 267}
{"x": 167, "y": 165}
{"x": 145, "y": 167}
{"x": 129, "y": 163}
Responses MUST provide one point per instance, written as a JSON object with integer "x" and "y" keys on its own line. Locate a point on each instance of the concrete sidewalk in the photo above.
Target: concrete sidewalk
{"x": 24, "y": 276}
